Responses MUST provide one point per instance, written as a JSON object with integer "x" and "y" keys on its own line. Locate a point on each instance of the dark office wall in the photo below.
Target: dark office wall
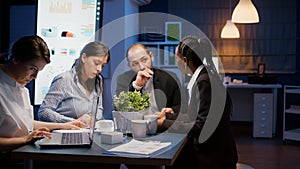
{"x": 4, "y": 26}
{"x": 22, "y": 21}
{"x": 21, "y": 24}
{"x": 25, "y": 22}
{"x": 190, "y": 13}
{"x": 189, "y": 10}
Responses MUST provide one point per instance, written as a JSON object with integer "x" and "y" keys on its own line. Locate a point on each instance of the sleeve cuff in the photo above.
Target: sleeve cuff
{"x": 136, "y": 86}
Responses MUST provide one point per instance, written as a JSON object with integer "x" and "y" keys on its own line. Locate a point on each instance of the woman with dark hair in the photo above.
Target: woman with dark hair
{"x": 27, "y": 57}
{"x": 71, "y": 93}
{"x": 210, "y": 144}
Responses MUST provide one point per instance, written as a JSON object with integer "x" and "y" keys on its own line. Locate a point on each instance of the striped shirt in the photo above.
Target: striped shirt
{"x": 66, "y": 99}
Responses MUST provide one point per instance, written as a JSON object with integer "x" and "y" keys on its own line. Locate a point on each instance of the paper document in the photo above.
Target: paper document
{"x": 71, "y": 131}
{"x": 139, "y": 148}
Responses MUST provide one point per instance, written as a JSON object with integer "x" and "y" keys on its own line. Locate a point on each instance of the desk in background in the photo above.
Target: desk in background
{"x": 95, "y": 154}
{"x": 257, "y": 103}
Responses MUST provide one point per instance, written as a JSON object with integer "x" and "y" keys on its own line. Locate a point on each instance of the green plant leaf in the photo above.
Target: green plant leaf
{"x": 131, "y": 101}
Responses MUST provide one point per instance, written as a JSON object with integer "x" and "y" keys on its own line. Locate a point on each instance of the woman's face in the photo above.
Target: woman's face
{"x": 28, "y": 70}
{"x": 92, "y": 65}
{"x": 179, "y": 60}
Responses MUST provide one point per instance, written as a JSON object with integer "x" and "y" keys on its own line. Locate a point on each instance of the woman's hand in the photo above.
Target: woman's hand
{"x": 162, "y": 115}
{"x": 163, "y": 112}
{"x": 161, "y": 120}
{"x": 85, "y": 119}
{"x": 73, "y": 125}
{"x": 37, "y": 134}
{"x": 167, "y": 109}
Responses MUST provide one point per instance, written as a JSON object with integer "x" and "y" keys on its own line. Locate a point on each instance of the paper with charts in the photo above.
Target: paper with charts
{"x": 137, "y": 148}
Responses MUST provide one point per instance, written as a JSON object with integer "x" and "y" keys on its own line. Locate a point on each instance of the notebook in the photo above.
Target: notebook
{"x": 73, "y": 138}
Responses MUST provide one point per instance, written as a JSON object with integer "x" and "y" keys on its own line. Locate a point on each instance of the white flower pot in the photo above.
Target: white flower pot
{"x": 129, "y": 116}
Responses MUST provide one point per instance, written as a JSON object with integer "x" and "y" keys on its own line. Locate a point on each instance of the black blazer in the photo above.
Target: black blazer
{"x": 219, "y": 150}
{"x": 123, "y": 81}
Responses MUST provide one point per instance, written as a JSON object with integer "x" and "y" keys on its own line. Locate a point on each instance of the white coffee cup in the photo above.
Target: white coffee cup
{"x": 227, "y": 79}
{"x": 139, "y": 128}
{"x": 152, "y": 122}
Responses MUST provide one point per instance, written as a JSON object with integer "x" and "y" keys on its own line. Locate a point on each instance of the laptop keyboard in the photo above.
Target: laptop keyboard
{"x": 71, "y": 138}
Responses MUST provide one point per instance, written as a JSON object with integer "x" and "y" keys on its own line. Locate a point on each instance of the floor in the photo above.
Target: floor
{"x": 266, "y": 153}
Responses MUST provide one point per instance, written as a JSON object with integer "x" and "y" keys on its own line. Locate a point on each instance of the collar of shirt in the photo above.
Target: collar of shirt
{"x": 193, "y": 79}
{"x": 7, "y": 79}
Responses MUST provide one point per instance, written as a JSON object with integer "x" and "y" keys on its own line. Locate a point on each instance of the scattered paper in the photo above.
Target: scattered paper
{"x": 139, "y": 148}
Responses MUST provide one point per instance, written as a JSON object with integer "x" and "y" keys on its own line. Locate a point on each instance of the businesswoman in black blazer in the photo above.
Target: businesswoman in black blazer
{"x": 210, "y": 144}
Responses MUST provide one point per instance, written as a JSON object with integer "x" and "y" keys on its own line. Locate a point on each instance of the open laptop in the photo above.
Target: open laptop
{"x": 73, "y": 138}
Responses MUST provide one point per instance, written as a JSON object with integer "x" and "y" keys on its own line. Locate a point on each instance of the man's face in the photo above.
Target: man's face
{"x": 139, "y": 59}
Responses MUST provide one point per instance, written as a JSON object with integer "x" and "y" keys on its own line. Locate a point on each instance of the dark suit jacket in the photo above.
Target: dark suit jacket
{"x": 123, "y": 81}
{"x": 219, "y": 150}
{"x": 167, "y": 92}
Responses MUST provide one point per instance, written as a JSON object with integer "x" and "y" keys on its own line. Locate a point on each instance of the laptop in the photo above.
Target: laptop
{"x": 73, "y": 138}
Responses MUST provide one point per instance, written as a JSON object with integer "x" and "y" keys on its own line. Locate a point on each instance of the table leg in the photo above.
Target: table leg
{"x": 28, "y": 164}
{"x": 160, "y": 167}
{"x": 274, "y": 110}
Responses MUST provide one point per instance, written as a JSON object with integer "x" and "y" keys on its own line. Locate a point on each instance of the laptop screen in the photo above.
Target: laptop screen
{"x": 93, "y": 117}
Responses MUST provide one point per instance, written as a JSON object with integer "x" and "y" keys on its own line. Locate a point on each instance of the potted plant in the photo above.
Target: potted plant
{"x": 131, "y": 101}
{"x": 131, "y": 105}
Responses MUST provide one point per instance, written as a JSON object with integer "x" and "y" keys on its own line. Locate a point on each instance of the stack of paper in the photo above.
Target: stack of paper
{"x": 137, "y": 148}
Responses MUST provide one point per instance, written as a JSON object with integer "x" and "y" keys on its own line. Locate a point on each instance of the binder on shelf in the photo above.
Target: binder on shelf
{"x": 153, "y": 50}
{"x": 171, "y": 55}
{"x": 166, "y": 55}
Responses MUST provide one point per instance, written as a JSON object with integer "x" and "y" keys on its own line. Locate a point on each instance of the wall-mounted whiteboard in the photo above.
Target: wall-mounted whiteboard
{"x": 66, "y": 26}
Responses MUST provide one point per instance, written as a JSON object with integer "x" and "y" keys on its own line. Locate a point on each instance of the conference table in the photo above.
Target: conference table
{"x": 96, "y": 153}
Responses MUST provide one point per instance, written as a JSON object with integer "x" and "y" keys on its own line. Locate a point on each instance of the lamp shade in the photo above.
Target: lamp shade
{"x": 230, "y": 30}
{"x": 245, "y": 12}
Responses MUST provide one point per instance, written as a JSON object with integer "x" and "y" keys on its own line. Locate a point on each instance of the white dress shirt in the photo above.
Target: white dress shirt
{"x": 193, "y": 80}
{"x": 149, "y": 88}
{"x": 16, "y": 112}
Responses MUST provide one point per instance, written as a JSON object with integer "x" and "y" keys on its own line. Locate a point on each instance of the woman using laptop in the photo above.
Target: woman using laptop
{"x": 27, "y": 57}
{"x": 72, "y": 92}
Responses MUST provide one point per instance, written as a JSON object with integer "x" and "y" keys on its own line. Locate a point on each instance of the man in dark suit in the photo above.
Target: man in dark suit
{"x": 163, "y": 86}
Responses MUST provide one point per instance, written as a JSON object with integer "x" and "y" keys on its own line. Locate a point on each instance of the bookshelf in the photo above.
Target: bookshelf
{"x": 291, "y": 113}
{"x": 164, "y": 56}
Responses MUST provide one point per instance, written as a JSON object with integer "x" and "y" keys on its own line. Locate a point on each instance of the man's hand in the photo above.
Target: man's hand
{"x": 143, "y": 76}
